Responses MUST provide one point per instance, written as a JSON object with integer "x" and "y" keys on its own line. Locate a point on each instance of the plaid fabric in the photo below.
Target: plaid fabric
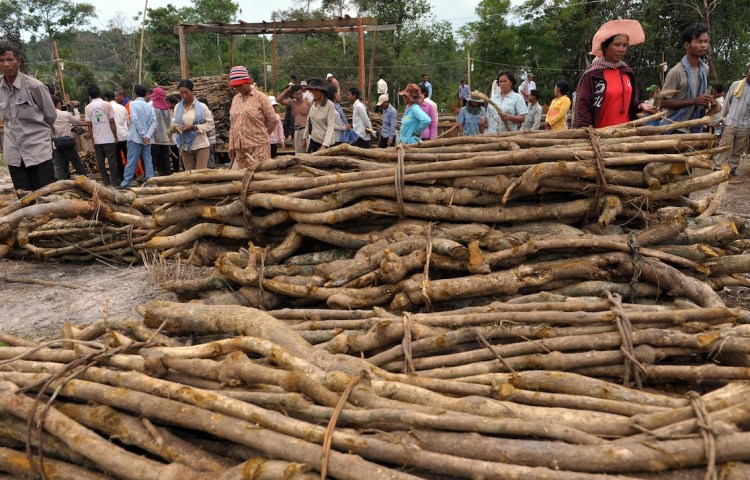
{"x": 238, "y": 76}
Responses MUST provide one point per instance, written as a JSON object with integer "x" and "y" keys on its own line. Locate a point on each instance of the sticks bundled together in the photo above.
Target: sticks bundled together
{"x": 217, "y": 92}
{"x": 249, "y": 395}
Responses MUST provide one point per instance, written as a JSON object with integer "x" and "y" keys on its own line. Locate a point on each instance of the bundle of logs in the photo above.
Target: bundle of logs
{"x": 507, "y": 391}
{"x": 218, "y": 94}
{"x": 523, "y": 306}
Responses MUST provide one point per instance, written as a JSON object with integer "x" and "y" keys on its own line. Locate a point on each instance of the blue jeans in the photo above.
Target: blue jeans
{"x": 137, "y": 150}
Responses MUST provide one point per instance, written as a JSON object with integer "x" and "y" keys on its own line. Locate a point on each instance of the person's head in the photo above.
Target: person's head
{"x": 241, "y": 80}
{"x": 319, "y": 89}
{"x": 424, "y": 91}
{"x": 533, "y": 96}
{"x": 159, "y": 99}
{"x": 354, "y": 94}
{"x": 93, "y": 91}
{"x": 51, "y": 88}
{"x": 463, "y": 81}
{"x": 173, "y": 100}
{"x": 57, "y": 101}
{"x": 616, "y": 32}
{"x": 695, "y": 40}
{"x": 11, "y": 58}
{"x": 139, "y": 90}
{"x": 506, "y": 81}
{"x": 380, "y": 76}
{"x": 719, "y": 89}
{"x": 271, "y": 99}
{"x": 331, "y": 92}
{"x": 108, "y": 96}
{"x": 529, "y": 76}
{"x": 185, "y": 87}
{"x": 615, "y": 47}
{"x": 330, "y": 78}
{"x": 383, "y": 101}
{"x": 562, "y": 87}
{"x": 120, "y": 96}
{"x": 474, "y": 105}
{"x": 425, "y": 77}
{"x": 411, "y": 93}
{"x": 149, "y": 92}
{"x": 293, "y": 79}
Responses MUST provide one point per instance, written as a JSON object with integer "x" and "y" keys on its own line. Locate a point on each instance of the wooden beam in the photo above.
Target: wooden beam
{"x": 268, "y": 26}
{"x": 275, "y": 69}
{"x": 231, "y": 51}
{"x": 184, "y": 69}
{"x": 267, "y": 30}
{"x": 361, "y": 56}
{"x": 59, "y": 70}
{"x": 372, "y": 65}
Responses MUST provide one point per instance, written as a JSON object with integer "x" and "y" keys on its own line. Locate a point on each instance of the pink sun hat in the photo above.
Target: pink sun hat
{"x": 631, "y": 28}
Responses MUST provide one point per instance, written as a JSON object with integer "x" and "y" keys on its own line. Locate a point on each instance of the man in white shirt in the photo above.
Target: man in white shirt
{"x": 360, "y": 120}
{"x": 101, "y": 119}
{"x": 382, "y": 85}
{"x": 122, "y": 121}
{"x": 527, "y": 86}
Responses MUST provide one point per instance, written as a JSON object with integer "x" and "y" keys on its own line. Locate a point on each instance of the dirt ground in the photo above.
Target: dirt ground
{"x": 114, "y": 291}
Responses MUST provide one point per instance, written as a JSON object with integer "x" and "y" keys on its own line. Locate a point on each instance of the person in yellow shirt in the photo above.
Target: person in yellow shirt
{"x": 558, "y": 109}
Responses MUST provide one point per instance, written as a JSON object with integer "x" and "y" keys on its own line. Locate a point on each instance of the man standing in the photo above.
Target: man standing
{"x": 295, "y": 102}
{"x": 736, "y": 118}
{"x": 360, "y": 120}
{"x": 65, "y": 144}
{"x": 122, "y": 120}
{"x": 332, "y": 80}
{"x": 251, "y": 119}
{"x": 690, "y": 79}
{"x": 101, "y": 119}
{"x": 472, "y": 118}
{"x": 464, "y": 93}
{"x": 527, "y": 86}
{"x": 140, "y": 134}
{"x": 388, "y": 128}
{"x": 29, "y": 114}
{"x": 426, "y": 82}
{"x": 533, "y": 119}
{"x": 382, "y": 86}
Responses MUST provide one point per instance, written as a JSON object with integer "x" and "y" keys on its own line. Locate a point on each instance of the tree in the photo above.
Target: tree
{"x": 10, "y": 21}
{"x": 52, "y": 17}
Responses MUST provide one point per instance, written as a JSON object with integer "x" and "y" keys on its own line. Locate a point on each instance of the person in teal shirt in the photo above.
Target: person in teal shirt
{"x": 414, "y": 120}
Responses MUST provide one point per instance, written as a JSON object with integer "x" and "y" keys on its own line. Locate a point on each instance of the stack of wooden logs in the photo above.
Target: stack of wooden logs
{"x": 217, "y": 92}
{"x": 227, "y": 392}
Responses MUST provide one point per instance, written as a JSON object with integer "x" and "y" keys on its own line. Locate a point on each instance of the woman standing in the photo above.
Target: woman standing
{"x": 558, "y": 109}
{"x": 606, "y": 94}
{"x": 511, "y": 103}
{"x": 321, "y": 119}
{"x": 195, "y": 121}
{"x": 160, "y": 142}
{"x": 414, "y": 121}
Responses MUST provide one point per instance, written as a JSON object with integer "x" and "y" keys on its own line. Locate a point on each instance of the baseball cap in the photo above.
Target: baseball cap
{"x": 382, "y": 98}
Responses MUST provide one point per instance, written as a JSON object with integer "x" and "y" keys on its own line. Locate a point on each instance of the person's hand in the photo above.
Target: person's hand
{"x": 505, "y": 117}
{"x": 147, "y": 141}
{"x": 189, "y": 128}
{"x": 704, "y": 100}
{"x": 74, "y": 103}
{"x": 647, "y": 108}
{"x": 546, "y": 126}
{"x": 323, "y": 147}
{"x": 349, "y": 127}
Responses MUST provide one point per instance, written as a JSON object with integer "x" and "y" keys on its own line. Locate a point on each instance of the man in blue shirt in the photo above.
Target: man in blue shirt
{"x": 472, "y": 118}
{"x": 388, "y": 130}
{"x": 140, "y": 133}
{"x": 426, "y": 82}
{"x": 463, "y": 92}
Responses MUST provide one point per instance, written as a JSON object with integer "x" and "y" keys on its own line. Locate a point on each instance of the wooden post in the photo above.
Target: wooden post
{"x": 372, "y": 65}
{"x": 275, "y": 70}
{"x": 468, "y": 69}
{"x": 265, "y": 64}
{"x": 361, "y": 48}
{"x": 140, "y": 50}
{"x": 59, "y": 69}
{"x": 231, "y": 50}
{"x": 184, "y": 69}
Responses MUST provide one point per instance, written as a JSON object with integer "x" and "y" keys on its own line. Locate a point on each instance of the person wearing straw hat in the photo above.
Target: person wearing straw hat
{"x": 472, "y": 118}
{"x": 414, "y": 120}
{"x": 607, "y": 93}
{"x": 736, "y": 117}
{"x": 251, "y": 120}
{"x": 321, "y": 120}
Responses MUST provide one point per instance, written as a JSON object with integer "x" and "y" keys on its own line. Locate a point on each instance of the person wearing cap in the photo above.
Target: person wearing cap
{"x": 322, "y": 117}
{"x": 527, "y": 86}
{"x": 414, "y": 120}
{"x": 690, "y": 79}
{"x": 332, "y": 80}
{"x": 388, "y": 126}
{"x": 472, "y": 118}
{"x": 360, "y": 120}
{"x": 251, "y": 120}
{"x": 511, "y": 103}
{"x": 736, "y": 119}
{"x": 307, "y": 94}
{"x": 607, "y": 93}
{"x": 294, "y": 99}
{"x": 276, "y": 137}
{"x": 651, "y": 90}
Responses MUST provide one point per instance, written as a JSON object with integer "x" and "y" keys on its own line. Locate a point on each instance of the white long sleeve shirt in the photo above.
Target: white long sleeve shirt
{"x": 360, "y": 120}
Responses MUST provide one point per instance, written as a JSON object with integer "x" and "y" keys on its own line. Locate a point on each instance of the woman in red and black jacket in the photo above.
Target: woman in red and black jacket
{"x": 606, "y": 94}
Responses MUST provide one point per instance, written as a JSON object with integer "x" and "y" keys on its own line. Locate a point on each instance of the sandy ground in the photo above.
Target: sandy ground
{"x": 114, "y": 291}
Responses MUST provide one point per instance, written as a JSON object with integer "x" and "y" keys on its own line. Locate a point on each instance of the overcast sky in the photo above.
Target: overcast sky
{"x": 457, "y": 11}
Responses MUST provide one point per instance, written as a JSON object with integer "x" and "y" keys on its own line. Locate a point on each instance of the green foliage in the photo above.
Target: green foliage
{"x": 51, "y": 18}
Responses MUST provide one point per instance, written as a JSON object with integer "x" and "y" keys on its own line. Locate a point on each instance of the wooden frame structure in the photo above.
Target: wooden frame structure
{"x": 339, "y": 25}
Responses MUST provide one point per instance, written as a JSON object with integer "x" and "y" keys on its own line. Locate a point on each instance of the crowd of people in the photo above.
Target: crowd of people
{"x": 154, "y": 133}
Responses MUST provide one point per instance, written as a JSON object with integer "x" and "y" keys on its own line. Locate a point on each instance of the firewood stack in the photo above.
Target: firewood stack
{"x": 524, "y": 306}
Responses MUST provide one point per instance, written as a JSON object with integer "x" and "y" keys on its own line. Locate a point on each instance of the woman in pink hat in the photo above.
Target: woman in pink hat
{"x": 607, "y": 94}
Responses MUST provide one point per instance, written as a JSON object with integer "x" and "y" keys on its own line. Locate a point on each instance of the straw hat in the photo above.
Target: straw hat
{"x": 631, "y": 28}
{"x": 476, "y": 99}
{"x": 317, "y": 84}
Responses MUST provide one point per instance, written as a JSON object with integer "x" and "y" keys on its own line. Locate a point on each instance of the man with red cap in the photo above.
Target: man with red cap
{"x": 251, "y": 119}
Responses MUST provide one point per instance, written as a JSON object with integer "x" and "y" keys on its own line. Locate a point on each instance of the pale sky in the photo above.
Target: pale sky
{"x": 457, "y": 11}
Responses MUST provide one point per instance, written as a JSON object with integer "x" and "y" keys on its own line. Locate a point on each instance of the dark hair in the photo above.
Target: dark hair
{"x": 606, "y": 43}
{"x": 355, "y": 91}
{"x": 330, "y": 93}
{"x": 563, "y": 86}
{"x": 692, "y": 32}
{"x": 139, "y": 90}
{"x": 203, "y": 101}
{"x": 185, "y": 83}
{"x": 120, "y": 91}
{"x": 6, "y": 46}
{"x": 296, "y": 88}
{"x": 510, "y": 76}
{"x": 108, "y": 96}
{"x": 51, "y": 88}
{"x": 293, "y": 77}
{"x": 535, "y": 93}
{"x": 94, "y": 91}
{"x": 56, "y": 100}
{"x": 173, "y": 99}
{"x": 719, "y": 88}
{"x": 424, "y": 89}
{"x": 424, "y": 75}
{"x": 149, "y": 90}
